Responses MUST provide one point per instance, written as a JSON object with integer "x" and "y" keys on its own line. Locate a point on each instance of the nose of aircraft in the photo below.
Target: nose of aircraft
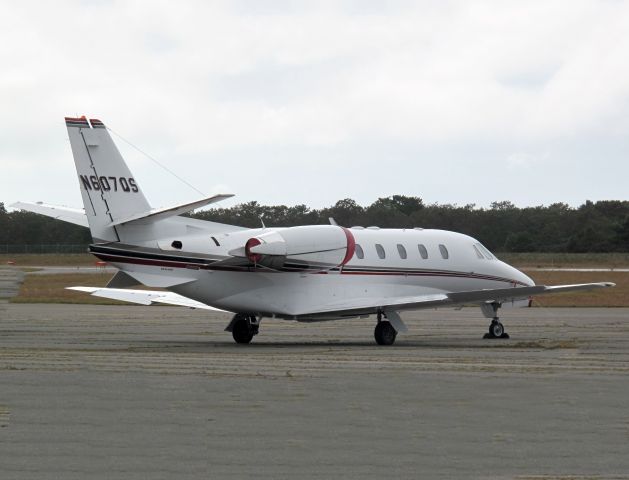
{"x": 516, "y": 274}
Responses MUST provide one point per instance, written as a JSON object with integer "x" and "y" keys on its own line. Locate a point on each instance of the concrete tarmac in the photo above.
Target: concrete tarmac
{"x": 162, "y": 392}
{"x": 10, "y": 279}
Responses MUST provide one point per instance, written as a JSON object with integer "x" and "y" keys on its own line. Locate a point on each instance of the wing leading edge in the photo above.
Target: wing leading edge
{"x": 358, "y": 306}
{"x": 503, "y": 295}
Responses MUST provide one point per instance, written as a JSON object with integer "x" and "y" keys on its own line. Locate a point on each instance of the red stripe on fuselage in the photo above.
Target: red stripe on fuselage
{"x": 175, "y": 264}
{"x": 351, "y": 245}
{"x": 145, "y": 261}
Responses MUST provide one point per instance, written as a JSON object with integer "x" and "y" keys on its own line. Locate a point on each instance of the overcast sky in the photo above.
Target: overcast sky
{"x": 290, "y": 102}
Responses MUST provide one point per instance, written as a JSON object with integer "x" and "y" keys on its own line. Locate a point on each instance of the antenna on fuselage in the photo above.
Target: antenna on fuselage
{"x": 333, "y": 222}
{"x": 262, "y": 221}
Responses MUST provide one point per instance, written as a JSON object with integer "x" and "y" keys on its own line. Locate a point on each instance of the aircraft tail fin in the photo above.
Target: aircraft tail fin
{"x": 109, "y": 190}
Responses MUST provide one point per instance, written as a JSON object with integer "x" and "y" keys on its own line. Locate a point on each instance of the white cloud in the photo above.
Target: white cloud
{"x": 526, "y": 160}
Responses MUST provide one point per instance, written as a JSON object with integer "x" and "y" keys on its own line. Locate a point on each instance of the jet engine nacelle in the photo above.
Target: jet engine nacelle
{"x": 302, "y": 248}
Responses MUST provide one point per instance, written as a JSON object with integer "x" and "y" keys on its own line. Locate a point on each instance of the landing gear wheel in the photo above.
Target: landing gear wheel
{"x": 496, "y": 330}
{"x": 242, "y": 331}
{"x": 384, "y": 333}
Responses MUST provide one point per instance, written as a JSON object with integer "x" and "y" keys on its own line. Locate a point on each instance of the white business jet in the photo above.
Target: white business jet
{"x": 308, "y": 273}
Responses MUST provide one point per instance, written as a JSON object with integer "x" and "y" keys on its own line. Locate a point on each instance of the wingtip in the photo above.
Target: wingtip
{"x": 83, "y": 289}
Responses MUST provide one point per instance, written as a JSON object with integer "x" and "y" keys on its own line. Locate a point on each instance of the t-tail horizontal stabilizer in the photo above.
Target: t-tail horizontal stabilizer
{"x": 162, "y": 213}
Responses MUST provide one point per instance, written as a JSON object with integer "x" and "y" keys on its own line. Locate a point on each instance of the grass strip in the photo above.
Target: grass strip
{"x": 50, "y": 288}
{"x": 617, "y": 296}
{"x": 48, "y": 259}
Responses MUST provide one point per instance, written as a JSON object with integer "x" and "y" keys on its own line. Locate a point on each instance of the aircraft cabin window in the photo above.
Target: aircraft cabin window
{"x": 402, "y": 251}
{"x": 380, "y": 251}
{"x": 176, "y": 244}
{"x": 478, "y": 254}
{"x": 444, "y": 251}
{"x": 216, "y": 242}
{"x": 359, "y": 252}
{"x": 422, "y": 251}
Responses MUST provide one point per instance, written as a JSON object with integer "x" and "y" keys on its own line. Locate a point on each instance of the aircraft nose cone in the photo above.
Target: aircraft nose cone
{"x": 522, "y": 277}
{"x": 515, "y": 274}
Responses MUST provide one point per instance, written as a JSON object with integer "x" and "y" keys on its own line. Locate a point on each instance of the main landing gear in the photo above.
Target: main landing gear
{"x": 384, "y": 332}
{"x": 496, "y": 329}
{"x": 244, "y": 327}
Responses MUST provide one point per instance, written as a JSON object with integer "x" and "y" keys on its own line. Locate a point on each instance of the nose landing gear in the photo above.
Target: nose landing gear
{"x": 496, "y": 329}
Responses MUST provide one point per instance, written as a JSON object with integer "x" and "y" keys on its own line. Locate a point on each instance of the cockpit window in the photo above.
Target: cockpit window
{"x": 486, "y": 252}
{"x": 478, "y": 254}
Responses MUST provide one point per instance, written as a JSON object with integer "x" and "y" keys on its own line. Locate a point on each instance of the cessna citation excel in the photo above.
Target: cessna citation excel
{"x": 309, "y": 273}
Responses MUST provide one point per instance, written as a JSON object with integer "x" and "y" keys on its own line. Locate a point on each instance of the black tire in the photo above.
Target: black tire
{"x": 384, "y": 333}
{"x": 496, "y": 329}
{"x": 242, "y": 331}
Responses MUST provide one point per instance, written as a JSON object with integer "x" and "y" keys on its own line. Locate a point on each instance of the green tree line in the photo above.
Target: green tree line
{"x": 601, "y": 226}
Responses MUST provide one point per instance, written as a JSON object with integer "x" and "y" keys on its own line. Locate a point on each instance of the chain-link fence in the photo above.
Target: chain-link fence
{"x": 43, "y": 248}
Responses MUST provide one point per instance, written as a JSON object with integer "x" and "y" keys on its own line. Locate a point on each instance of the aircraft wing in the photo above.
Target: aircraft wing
{"x": 144, "y": 297}
{"x": 503, "y": 295}
{"x": 70, "y": 215}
